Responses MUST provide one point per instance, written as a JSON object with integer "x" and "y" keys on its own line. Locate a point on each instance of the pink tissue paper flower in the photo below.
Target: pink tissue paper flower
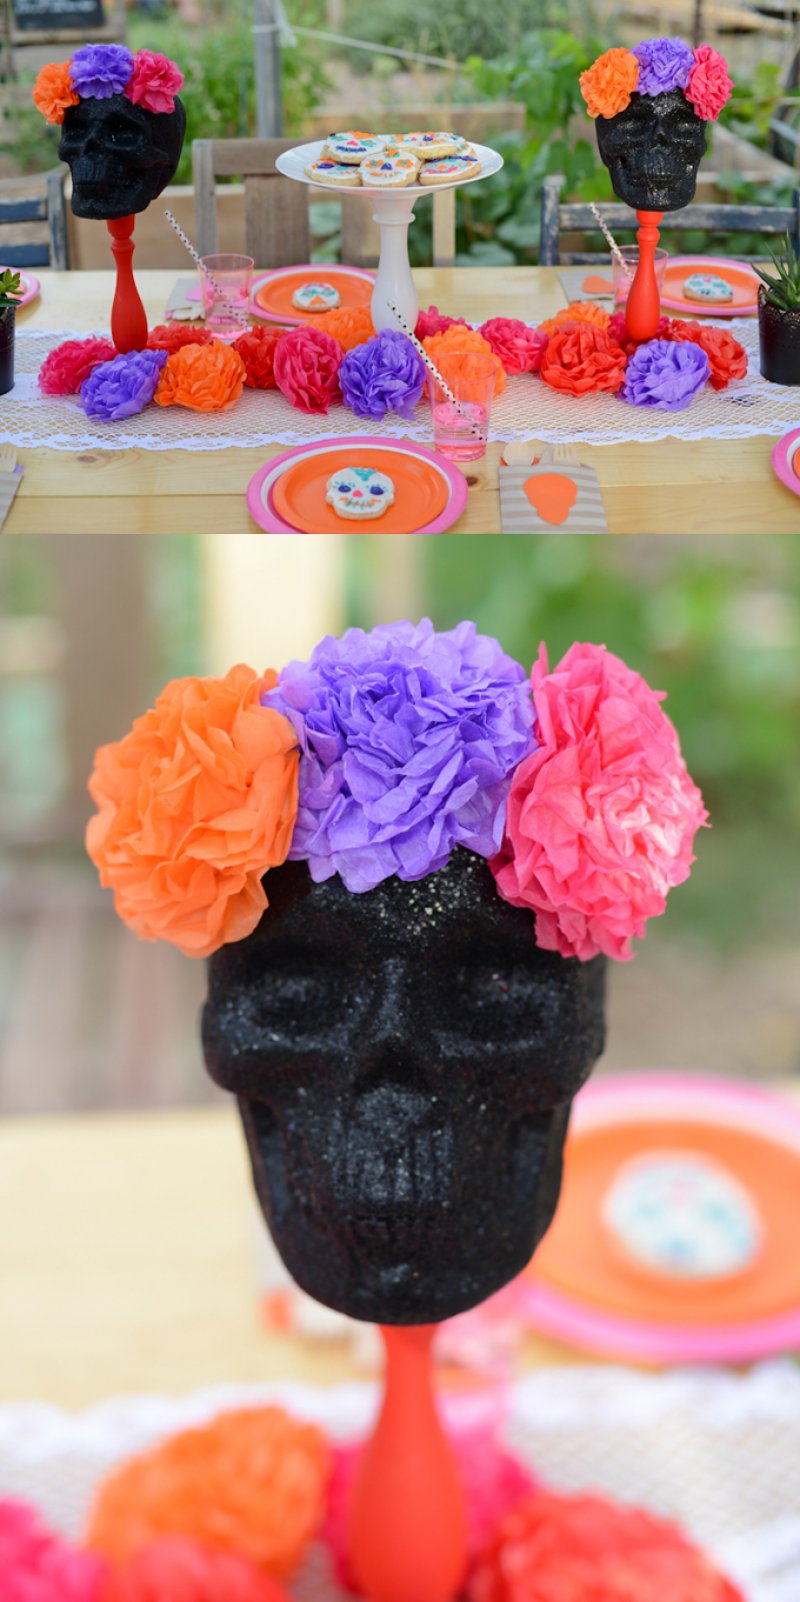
{"x": 709, "y": 87}
{"x": 306, "y": 368}
{"x": 37, "y": 1566}
{"x": 155, "y": 82}
{"x": 602, "y": 816}
{"x": 517, "y": 346}
{"x": 175, "y": 1569}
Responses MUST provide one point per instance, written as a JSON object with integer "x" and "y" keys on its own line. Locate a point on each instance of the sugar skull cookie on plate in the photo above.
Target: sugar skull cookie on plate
{"x": 341, "y": 173}
{"x": 359, "y": 494}
{"x": 392, "y": 169}
{"x": 316, "y": 297}
{"x": 446, "y": 169}
{"x": 353, "y": 147}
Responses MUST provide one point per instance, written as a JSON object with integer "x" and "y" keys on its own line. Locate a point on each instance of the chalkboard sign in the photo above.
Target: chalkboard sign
{"x": 44, "y": 16}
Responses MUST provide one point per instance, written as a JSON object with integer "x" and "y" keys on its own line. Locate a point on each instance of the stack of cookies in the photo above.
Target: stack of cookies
{"x": 393, "y": 161}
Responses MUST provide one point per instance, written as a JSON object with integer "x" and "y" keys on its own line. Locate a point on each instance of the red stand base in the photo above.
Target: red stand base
{"x": 128, "y": 316}
{"x": 408, "y": 1524}
{"x": 643, "y": 307}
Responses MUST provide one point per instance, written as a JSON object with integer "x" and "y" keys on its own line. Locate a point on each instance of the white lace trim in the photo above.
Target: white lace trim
{"x": 717, "y": 1451}
{"x": 527, "y": 409}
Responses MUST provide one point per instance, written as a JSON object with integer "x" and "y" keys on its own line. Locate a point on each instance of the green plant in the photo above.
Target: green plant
{"x": 783, "y": 291}
{"x": 10, "y": 290}
{"x": 446, "y": 29}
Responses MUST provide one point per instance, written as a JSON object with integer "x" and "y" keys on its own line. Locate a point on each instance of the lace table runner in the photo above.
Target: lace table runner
{"x": 717, "y": 1451}
{"x": 528, "y": 409}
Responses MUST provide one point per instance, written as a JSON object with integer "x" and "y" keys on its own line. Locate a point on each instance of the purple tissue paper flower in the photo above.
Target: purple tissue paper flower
{"x": 663, "y": 64}
{"x": 665, "y": 374}
{"x": 383, "y": 375}
{"x": 408, "y": 742}
{"x": 99, "y": 71}
{"x": 123, "y": 387}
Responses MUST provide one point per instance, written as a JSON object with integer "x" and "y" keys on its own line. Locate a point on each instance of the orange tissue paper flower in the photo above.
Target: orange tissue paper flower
{"x": 578, "y": 311}
{"x": 581, "y": 358}
{"x": 607, "y": 86}
{"x": 206, "y": 378}
{"x": 350, "y": 325}
{"x": 173, "y": 1569}
{"x": 252, "y": 1482}
{"x": 53, "y": 93}
{"x": 193, "y": 806}
{"x": 457, "y": 338}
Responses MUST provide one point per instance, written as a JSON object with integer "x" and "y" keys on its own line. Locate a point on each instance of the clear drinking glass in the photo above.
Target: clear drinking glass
{"x": 460, "y": 430}
{"x": 623, "y": 276}
{"x": 233, "y": 282}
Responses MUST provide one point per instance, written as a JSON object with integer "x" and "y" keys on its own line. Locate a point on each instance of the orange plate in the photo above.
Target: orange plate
{"x": 741, "y": 278}
{"x": 421, "y": 492}
{"x": 275, "y": 295}
{"x": 578, "y": 1258}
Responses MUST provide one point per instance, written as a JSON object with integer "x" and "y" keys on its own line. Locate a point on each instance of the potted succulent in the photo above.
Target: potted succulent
{"x": 10, "y": 291}
{"x": 779, "y": 317}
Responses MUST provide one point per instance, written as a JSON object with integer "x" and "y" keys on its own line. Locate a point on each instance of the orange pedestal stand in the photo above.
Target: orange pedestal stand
{"x": 643, "y": 307}
{"x": 128, "y": 316}
{"x": 408, "y": 1525}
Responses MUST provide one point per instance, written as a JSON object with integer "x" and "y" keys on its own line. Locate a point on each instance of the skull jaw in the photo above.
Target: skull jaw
{"x": 416, "y": 1262}
{"x": 102, "y": 202}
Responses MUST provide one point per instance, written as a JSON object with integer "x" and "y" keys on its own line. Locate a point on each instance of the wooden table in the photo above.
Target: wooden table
{"x": 666, "y": 487}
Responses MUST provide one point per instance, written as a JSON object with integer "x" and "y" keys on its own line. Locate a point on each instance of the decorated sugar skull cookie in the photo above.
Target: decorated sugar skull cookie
{"x": 316, "y": 297}
{"x": 359, "y": 493}
{"x": 679, "y": 1213}
{"x": 429, "y": 146}
{"x": 392, "y": 169}
{"x": 324, "y": 171}
{"x": 707, "y": 286}
{"x": 446, "y": 169}
{"x": 353, "y": 147}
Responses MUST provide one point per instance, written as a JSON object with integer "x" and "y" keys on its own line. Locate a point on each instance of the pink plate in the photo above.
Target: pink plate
{"x": 259, "y": 491}
{"x": 739, "y": 274}
{"x": 30, "y": 285}
{"x": 786, "y": 460}
{"x": 271, "y": 297}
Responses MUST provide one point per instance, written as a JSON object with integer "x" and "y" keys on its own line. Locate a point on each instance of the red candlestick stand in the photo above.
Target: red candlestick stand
{"x": 408, "y": 1527}
{"x": 128, "y": 316}
{"x": 643, "y": 307}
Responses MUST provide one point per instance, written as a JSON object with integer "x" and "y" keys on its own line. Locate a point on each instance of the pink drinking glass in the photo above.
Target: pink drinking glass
{"x": 230, "y": 291}
{"x": 460, "y": 431}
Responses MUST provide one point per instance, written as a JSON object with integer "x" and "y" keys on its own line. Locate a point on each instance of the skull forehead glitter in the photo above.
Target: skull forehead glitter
{"x": 375, "y": 760}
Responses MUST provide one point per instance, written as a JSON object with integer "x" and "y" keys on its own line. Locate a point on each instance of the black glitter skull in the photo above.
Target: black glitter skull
{"x": 652, "y": 150}
{"x": 405, "y": 1061}
{"x": 121, "y": 156}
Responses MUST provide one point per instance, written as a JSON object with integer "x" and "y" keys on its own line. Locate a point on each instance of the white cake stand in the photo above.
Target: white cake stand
{"x": 393, "y": 212}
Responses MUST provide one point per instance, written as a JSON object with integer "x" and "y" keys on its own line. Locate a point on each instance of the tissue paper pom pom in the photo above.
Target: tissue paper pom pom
{"x": 251, "y": 1482}
{"x": 517, "y": 346}
{"x": 257, "y": 350}
{"x": 36, "y": 1566}
{"x": 559, "y": 1548}
{"x": 64, "y": 370}
{"x": 433, "y": 321}
{"x": 602, "y": 816}
{"x": 457, "y": 338}
{"x": 123, "y": 387}
{"x": 349, "y": 326}
{"x": 618, "y": 331}
{"x": 727, "y": 358}
{"x": 155, "y": 81}
{"x": 99, "y": 71}
{"x": 307, "y": 363}
{"x": 174, "y": 1569}
{"x": 173, "y": 336}
{"x": 665, "y": 374}
{"x": 580, "y": 358}
{"x": 607, "y": 86}
{"x": 53, "y": 91}
{"x": 206, "y": 378}
{"x": 578, "y": 311}
{"x": 408, "y": 741}
{"x": 385, "y": 375}
{"x": 194, "y": 804}
{"x": 664, "y": 64}
{"x": 709, "y": 87}
{"x": 493, "y": 1481}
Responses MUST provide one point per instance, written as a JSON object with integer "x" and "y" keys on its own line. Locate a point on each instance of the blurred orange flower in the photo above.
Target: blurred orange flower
{"x": 206, "y": 378}
{"x": 53, "y": 92}
{"x": 457, "y": 338}
{"x": 194, "y": 805}
{"x": 578, "y": 311}
{"x": 351, "y": 326}
{"x": 607, "y": 86}
{"x": 251, "y": 1482}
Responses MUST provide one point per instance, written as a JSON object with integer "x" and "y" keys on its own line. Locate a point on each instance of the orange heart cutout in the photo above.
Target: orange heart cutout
{"x": 552, "y": 495}
{"x": 595, "y": 285}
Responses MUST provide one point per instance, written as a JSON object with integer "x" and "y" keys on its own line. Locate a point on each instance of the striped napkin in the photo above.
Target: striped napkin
{"x": 10, "y": 480}
{"x": 536, "y": 500}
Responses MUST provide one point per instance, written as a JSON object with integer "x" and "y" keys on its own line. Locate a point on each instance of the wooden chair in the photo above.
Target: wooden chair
{"x": 277, "y": 229}
{"x": 566, "y": 218}
{"x": 28, "y": 201}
